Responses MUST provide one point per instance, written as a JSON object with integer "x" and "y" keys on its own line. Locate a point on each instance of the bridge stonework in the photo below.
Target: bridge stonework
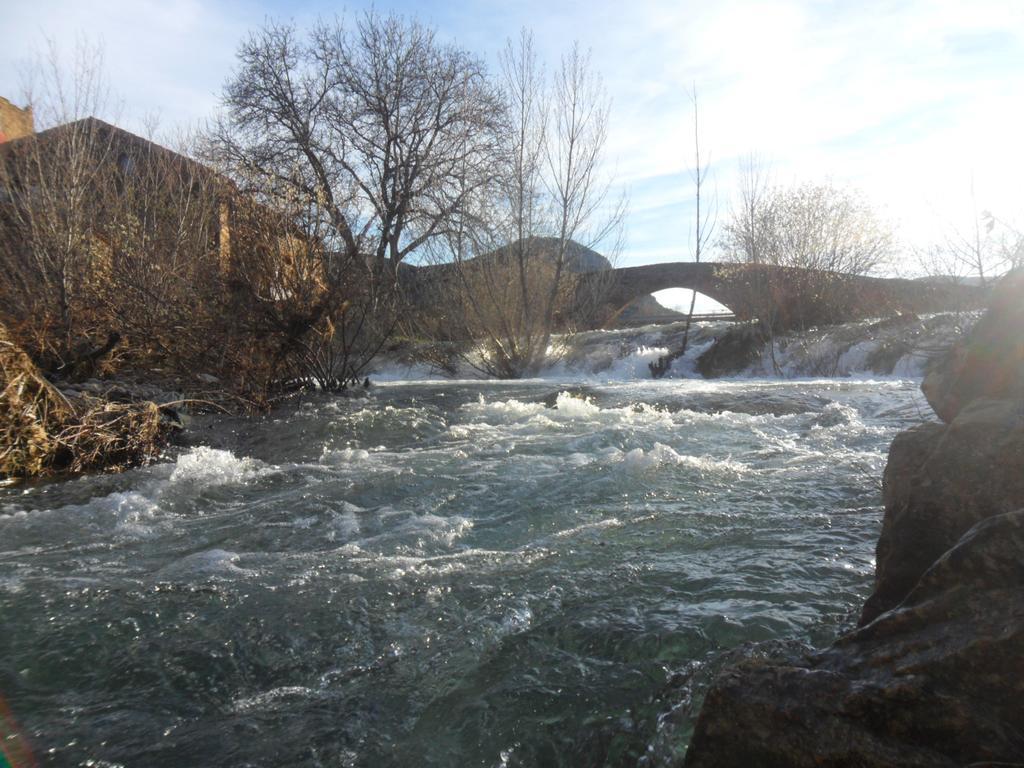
{"x": 785, "y": 297}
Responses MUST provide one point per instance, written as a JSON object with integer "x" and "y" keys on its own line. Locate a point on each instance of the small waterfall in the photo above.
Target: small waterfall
{"x": 899, "y": 346}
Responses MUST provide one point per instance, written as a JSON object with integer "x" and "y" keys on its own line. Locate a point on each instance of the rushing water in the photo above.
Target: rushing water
{"x": 441, "y": 574}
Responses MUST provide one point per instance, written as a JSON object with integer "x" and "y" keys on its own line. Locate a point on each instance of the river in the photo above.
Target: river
{"x": 446, "y": 573}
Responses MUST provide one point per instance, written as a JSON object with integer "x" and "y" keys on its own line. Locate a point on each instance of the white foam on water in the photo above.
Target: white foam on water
{"x": 437, "y": 528}
{"x": 626, "y": 354}
{"x": 400, "y": 563}
{"x": 145, "y": 511}
{"x": 207, "y": 564}
{"x": 344, "y": 525}
{"x": 568, "y": 409}
{"x": 207, "y": 467}
{"x": 608, "y": 522}
{"x": 398, "y": 530}
{"x": 640, "y": 461}
{"x": 136, "y": 515}
{"x": 576, "y": 408}
{"x": 338, "y": 457}
{"x": 125, "y": 514}
{"x": 855, "y": 358}
{"x": 504, "y": 411}
{"x": 282, "y": 696}
{"x": 911, "y": 366}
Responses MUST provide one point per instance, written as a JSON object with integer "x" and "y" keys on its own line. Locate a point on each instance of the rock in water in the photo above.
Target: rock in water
{"x": 940, "y": 481}
{"x": 989, "y": 362}
{"x": 936, "y": 682}
{"x": 731, "y": 353}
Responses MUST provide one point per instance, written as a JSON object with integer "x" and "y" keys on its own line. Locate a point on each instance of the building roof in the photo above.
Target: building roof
{"x": 116, "y": 136}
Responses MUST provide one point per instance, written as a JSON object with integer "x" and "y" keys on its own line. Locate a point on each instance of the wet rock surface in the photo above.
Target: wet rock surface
{"x": 935, "y": 682}
{"x": 935, "y": 673}
{"x": 940, "y": 481}
{"x": 732, "y": 352}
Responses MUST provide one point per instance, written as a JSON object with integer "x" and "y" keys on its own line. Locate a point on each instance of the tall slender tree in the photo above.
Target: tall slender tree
{"x": 705, "y": 220}
{"x": 518, "y": 279}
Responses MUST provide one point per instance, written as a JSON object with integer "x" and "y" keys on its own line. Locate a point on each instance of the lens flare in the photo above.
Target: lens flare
{"x": 14, "y": 752}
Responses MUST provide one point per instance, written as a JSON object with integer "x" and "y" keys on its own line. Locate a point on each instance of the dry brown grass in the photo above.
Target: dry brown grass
{"x": 43, "y": 433}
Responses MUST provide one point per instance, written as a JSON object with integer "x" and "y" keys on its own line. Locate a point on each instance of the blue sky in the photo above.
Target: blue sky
{"x": 913, "y": 101}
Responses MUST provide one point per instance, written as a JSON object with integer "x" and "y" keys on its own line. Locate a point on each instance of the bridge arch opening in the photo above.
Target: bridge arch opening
{"x": 678, "y": 299}
{"x": 668, "y": 305}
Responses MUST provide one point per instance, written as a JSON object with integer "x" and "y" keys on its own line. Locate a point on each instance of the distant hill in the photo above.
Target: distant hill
{"x": 645, "y": 311}
{"x": 579, "y": 258}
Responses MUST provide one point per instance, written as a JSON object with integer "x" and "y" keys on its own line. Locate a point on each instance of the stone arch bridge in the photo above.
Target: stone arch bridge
{"x": 785, "y": 296}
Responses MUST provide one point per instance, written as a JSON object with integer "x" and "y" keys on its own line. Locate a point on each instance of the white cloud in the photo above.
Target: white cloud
{"x": 909, "y": 99}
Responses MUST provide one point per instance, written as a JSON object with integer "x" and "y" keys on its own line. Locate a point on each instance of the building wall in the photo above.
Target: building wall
{"x": 14, "y": 122}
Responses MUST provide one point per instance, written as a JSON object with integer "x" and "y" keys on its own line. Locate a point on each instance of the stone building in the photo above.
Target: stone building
{"x": 15, "y": 122}
{"x": 117, "y": 161}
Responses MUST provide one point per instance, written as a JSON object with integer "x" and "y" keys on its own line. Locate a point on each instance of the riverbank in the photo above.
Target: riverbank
{"x": 45, "y": 431}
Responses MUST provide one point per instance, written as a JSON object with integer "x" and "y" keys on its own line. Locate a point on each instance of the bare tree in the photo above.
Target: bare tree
{"x": 496, "y": 252}
{"x": 983, "y": 250}
{"x": 381, "y": 129}
{"x": 48, "y": 231}
{"x": 579, "y": 190}
{"x": 747, "y": 238}
{"x": 749, "y": 219}
{"x": 517, "y": 264}
{"x": 826, "y": 231}
{"x": 705, "y": 219}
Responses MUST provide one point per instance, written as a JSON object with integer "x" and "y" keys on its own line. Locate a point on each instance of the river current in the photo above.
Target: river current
{"x": 442, "y": 573}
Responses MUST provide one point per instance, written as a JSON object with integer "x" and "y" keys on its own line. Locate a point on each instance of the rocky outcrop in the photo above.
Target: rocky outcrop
{"x": 936, "y": 682}
{"x": 935, "y": 673}
{"x": 939, "y": 482}
{"x": 733, "y": 352}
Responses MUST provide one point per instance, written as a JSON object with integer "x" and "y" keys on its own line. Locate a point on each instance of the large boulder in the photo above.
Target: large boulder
{"x": 989, "y": 362}
{"x": 935, "y": 682}
{"x": 732, "y": 352}
{"x": 940, "y": 481}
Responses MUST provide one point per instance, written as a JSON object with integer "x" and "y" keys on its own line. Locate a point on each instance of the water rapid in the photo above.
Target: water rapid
{"x": 442, "y": 573}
